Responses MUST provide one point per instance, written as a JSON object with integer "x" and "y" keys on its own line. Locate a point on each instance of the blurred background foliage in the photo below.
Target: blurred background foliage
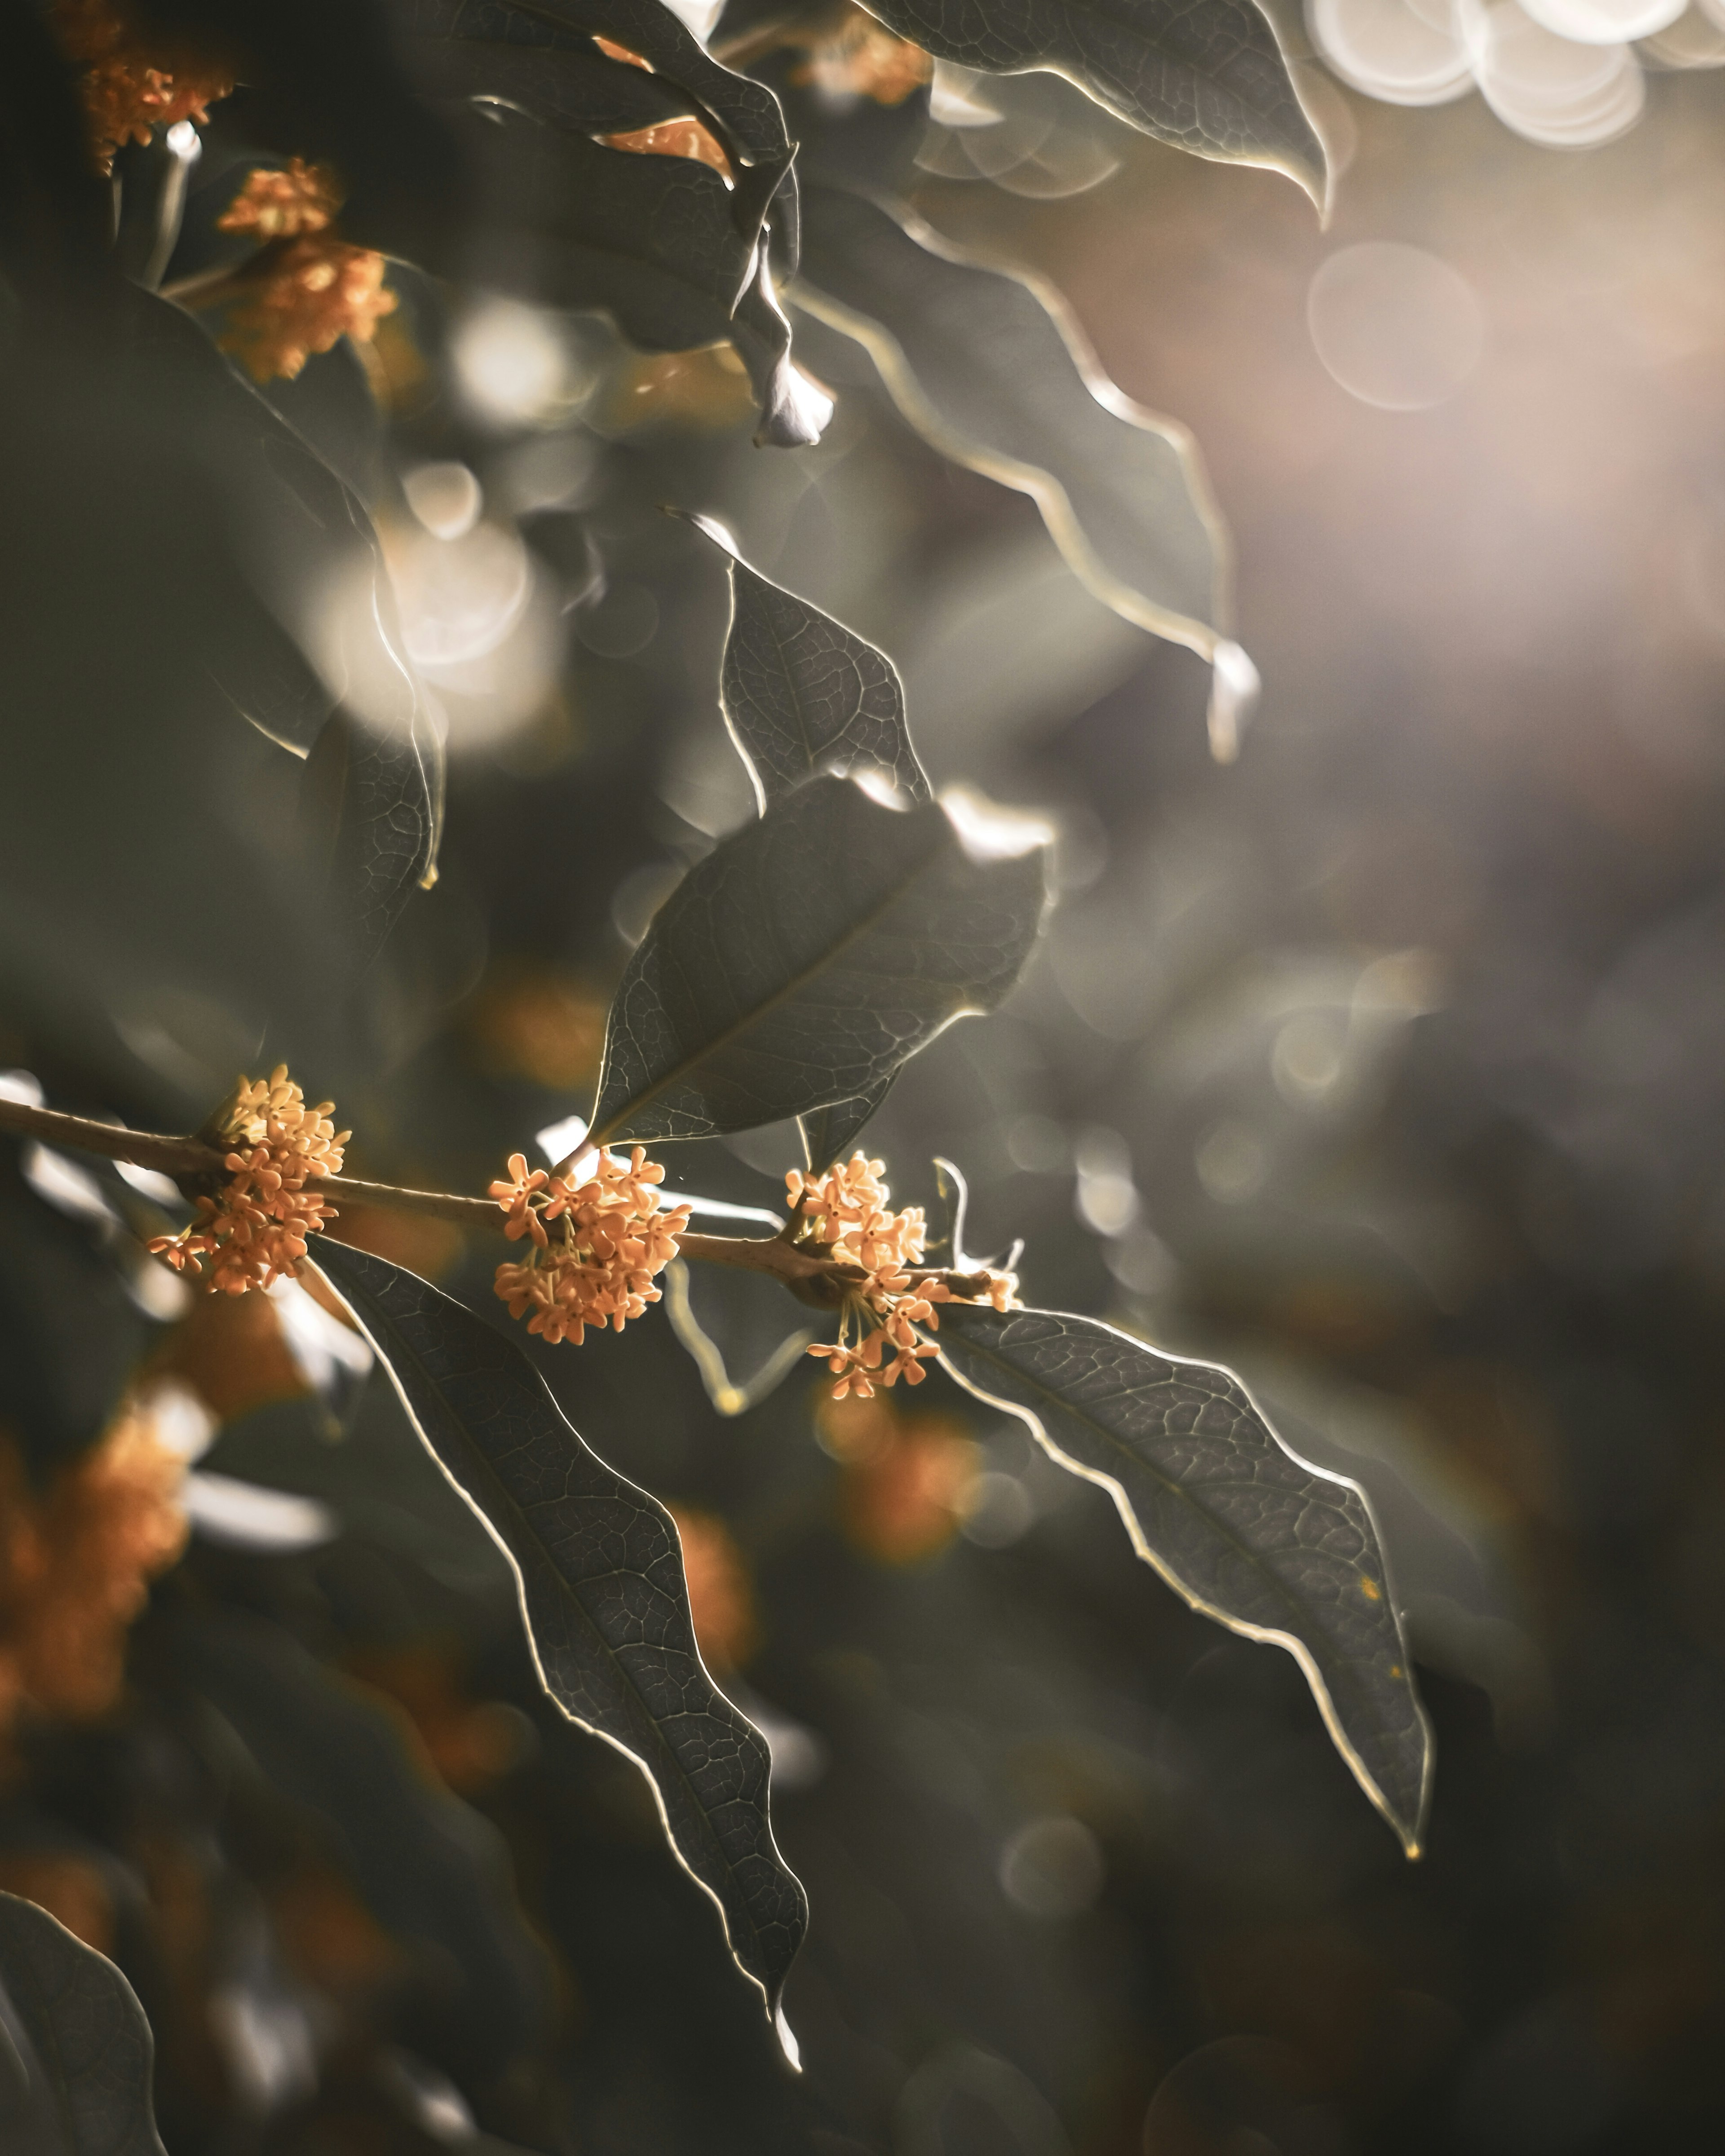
{"x": 1386, "y": 1065}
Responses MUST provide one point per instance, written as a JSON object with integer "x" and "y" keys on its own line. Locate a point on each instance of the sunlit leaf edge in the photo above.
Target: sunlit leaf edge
{"x": 1408, "y": 1832}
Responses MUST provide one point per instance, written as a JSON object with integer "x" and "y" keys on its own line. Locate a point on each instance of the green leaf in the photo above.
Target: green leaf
{"x": 804, "y": 960}
{"x": 992, "y": 368}
{"x": 650, "y": 240}
{"x": 802, "y": 694}
{"x": 1208, "y": 78}
{"x": 76, "y": 2055}
{"x": 1243, "y": 1529}
{"x": 432, "y": 1871}
{"x": 600, "y": 1575}
{"x": 541, "y": 55}
{"x": 828, "y": 1132}
{"x": 367, "y": 793}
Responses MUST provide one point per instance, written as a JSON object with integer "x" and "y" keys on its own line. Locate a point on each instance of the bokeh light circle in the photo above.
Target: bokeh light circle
{"x": 1395, "y": 327}
{"x": 1547, "y": 88}
{"x": 1393, "y": 50}
{"x": 1604, "y": 21}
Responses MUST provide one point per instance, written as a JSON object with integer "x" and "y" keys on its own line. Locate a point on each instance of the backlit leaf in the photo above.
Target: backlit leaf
{"x": 76, "y": 2055}
{"x": 802, "y": 694}
{"x": 829, "y": 1134}
{"x": 600, "y": 1574}
{"x": 1208, "y": 76}
{"x": 992, "y": 368}
{"x": 1243, "y": 1528}
{"x": 804, "y": 960}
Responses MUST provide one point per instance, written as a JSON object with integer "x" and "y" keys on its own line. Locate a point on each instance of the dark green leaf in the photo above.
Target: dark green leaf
{"x": 601, "y": 1579}
{"x": 804, "y": 960}
{"x": 1246, "y": 1531}
{"x": 432, "y": 1872}
{"x": 993, "y": 370}
{"x": 76, "y": 2054}
{"x": 368, "y": 792}
{"x": 744, "y": 115}
{"x": 827, "y": 1132}
{"x": 650, "y": 240}
{"x": 802, "y": 694}
{"x": 1209, "y": 77}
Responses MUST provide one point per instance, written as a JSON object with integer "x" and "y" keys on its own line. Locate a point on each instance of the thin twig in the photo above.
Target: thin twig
{"x": 795, "y": 1265}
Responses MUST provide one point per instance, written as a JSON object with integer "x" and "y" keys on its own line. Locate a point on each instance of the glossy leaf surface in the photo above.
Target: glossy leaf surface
{"x": 1243, "y": 1528}
{"x": 600, "y": 1574}
{"x": 76, "y": 2055}
{"x": 1208, "y": 78}
{"x": 802, "y": 694}
{"x": 993, "y": 370}
{"x": 804, "y": 960}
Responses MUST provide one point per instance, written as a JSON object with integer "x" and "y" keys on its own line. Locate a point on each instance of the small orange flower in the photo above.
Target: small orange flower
{"x": 309, "y": 295}
{"x": 861, "y": 58}
{"x": 846, "y": 1210}
{"x": 128, "y": 87}
{"x": 611, "y": 1242}
{"x": 254, "y": 1228}
{"x": 281, "y": 205}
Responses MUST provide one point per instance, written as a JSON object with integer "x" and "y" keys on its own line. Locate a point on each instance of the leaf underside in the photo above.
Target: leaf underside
{"x": 803, "y": 961}
{"x": 1205, "y": 75}
{"x": 802, "y": 694}
{"x": 76, "y": 2054}
{"x": 828, "y": 1132}
{"x": 1243, "y": 1529}
{"x": 600, "y": 1573}
{"x": 991, "y": 368}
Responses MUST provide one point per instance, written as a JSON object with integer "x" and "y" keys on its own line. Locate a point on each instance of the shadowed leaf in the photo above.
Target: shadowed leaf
{"x": 76, "y": 2051}
{"x": 601, "y": 1590}
{"x": 828, "y": 1132}
{"x": 802, "y": 694}
{"x": 651, "y": 241}
{"x": 429, "y": 1868}
{"x": 1242, "y": 1528}
{"x": 1206, "y": 75}
{"x": 992, "y": 368}
{"x": 804, "y": 960}
{"x": 369, "y": 794}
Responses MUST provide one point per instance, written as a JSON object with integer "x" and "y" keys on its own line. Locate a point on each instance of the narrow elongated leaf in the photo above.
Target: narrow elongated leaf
{"x": 993, "y": 370}
{"x": 828, "y": 1132}
{"x": 804, "y": 960}
{"x": 76, "y": 2054}
{"x": 1245, "y": 1530}
{"x": 802, "y": 694}
{"x": 1206, "y": 75}
{"x": 601, "y": 1578}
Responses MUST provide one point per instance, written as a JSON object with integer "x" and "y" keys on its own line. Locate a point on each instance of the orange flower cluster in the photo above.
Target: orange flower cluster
{"x": 612, "y": 1240}
{"x": 861, "y": 58}
{"x": 254, "y": 1228}
{"x": 76, "y": 1561}
{"x": 846, "y": 1208}
{"x": 308, "y": 296}
{"x": 128, "y": 89}
{"x": 281, "y": 205}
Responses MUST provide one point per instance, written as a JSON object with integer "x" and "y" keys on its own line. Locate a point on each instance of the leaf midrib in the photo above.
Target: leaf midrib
{"x": 488, "y": 1473}
{"x": 721, "y": 1040}
{"x": 1046, "y": 1393}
